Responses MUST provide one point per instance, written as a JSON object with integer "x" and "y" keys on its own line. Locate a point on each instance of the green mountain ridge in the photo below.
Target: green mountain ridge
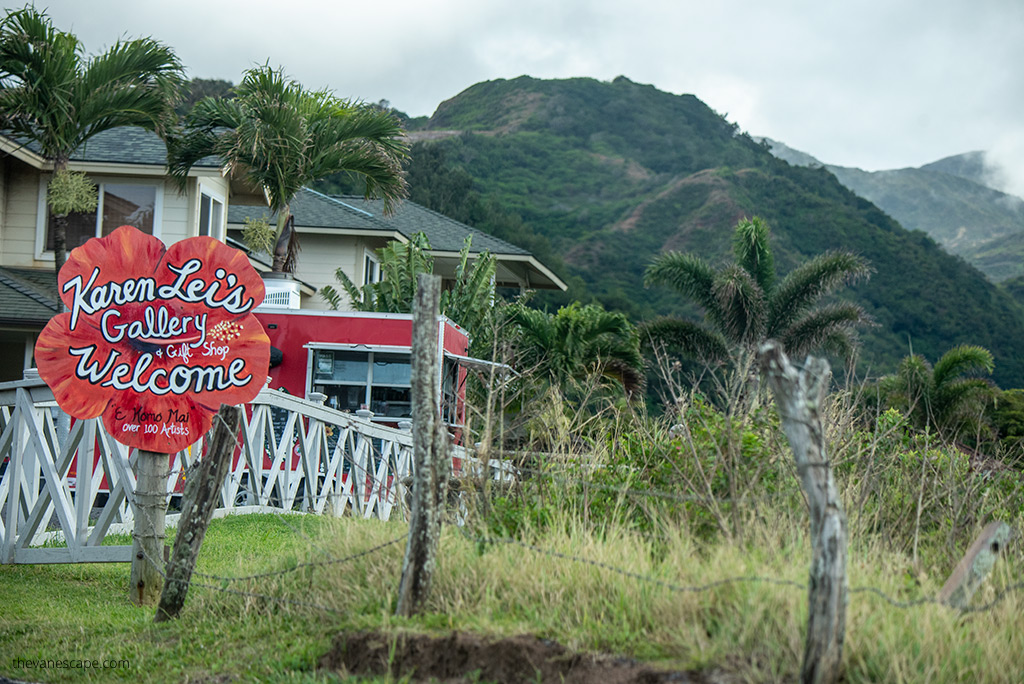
{"x": 949, "y": 199}
{"x": 608, "y": 174}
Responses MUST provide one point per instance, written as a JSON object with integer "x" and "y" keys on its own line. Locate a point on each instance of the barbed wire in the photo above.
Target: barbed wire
{"x": 308, "y": 564}
{"x": 671, "y": 586}
{"x": 1002, "y": 595}
{"x": 240, "y": 592}
{"x": 634, "y": 575}
{"x": 654, "y": 493}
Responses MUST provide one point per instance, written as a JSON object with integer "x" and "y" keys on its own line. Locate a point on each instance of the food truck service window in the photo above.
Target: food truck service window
{"x": 379, "y": 381}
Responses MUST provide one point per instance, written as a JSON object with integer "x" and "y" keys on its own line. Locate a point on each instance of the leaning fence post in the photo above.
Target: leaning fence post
{"x": 430, "y": 451}
{"x": 975, "y": 566}
{"x": 798, "y": 397}
{"x": 200, "y": 498}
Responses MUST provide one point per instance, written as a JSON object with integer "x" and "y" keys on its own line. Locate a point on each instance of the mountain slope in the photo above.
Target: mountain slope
{"x": 969, "y": 165}
{"x": 613, "y": 173}
{"x": 947, "y": 199}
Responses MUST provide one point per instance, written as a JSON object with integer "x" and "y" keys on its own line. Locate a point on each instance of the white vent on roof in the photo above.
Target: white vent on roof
{"x": 282, "y": 292}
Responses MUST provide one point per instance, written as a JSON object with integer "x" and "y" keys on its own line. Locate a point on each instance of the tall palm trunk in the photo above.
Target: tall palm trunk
{"x": 284, "y": 249}
{"x": 60, "y": 224}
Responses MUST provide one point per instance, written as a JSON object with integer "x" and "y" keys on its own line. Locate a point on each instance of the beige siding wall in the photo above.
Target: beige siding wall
{"x": 19, "y": 226}
{"x": 19, "y": 208}
{"x": 321, "y": 255}
{"x": 4, "y": 165}
{"x": 175, "y": 218}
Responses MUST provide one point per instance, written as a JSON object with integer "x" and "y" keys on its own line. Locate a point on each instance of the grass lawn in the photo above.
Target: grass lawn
{"x": 752, "y": 630}
{"x": 71, "y": 612}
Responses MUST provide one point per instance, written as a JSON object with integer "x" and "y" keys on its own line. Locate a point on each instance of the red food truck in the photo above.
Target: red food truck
{"x": 361, "y": 361}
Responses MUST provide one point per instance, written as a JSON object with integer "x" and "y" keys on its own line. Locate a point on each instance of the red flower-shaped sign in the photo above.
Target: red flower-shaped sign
{"x": 156, "y": 338}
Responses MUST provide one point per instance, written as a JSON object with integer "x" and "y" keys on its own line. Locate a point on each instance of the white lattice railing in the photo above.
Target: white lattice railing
{"x": 61, "y": 496}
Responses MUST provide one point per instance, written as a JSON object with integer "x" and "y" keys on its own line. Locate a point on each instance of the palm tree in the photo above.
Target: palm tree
{"x": 576, "y": 343}
{"x": 947, "y": 397}
{"x": 53, "y": 96}
{"x": 744, "y": 305}
{"x": 280, "y": 137}
{"x": 467, "y": 301}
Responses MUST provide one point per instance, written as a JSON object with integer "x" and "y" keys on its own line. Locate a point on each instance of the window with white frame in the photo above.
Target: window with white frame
{"x": 379, "y": 381}
{"x": 371, "y": 268}
{"x": 211, "y": 214}
{"x": 119, "y": 203}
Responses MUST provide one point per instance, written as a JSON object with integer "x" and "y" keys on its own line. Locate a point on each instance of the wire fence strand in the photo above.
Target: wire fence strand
{"x": 223, "y": 581}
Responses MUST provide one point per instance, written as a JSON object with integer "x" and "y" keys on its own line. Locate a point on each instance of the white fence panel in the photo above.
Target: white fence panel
{"x": 293, "y": 455}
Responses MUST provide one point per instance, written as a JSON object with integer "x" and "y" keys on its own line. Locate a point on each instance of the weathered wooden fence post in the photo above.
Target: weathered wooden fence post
{"x": 201, "y": 496}
{"x": 975, "y": 566}
{"x": 431, "y": 462}
{"x": 798, "y": 397}
{"x": 148, "y": 538}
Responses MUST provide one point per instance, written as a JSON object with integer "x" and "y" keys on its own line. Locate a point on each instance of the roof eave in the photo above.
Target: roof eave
{"x": 22, "y": 153}
{"x": 528, "y": 260}
{"x": 353, "y": 232}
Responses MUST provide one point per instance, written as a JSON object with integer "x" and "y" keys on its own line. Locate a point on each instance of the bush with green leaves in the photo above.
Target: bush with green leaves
{"x": 949, "y": 398}
{"x": 576, "y": 344}
{"x": 467, "y": 302}
{"x": 719, "y": 475}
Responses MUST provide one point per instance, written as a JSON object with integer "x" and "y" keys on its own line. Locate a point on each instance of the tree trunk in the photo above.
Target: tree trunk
{"x": 201, "y": 496}
{"x": 60, "y": 230}
{"x": 148, "y": 537}
{"x": 798, "y": 397}
{"x": 431, "y": 461}
{"x": 283, "y": 248}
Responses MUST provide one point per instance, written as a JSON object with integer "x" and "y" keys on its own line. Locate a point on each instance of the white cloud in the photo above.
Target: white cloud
{"x": 875, "y": 83}
{"x": 1006, "y": 158}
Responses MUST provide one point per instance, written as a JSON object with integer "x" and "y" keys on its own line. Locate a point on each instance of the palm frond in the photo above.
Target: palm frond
{"x": 964, "y": 359}
{"x": 52, "y": 95}
{"x": 687, "y": 338}
{"x": 331, "y": 296}
{"x": 279, "y": 137}
{"x": 577, "y": 342}
{"x": 625, "y": 373}
{"x": 806, "y": 284}
{"x": 829, "y": 328}
{"x": 741, "y": 312}
{"x": 687, "y": 274}
{"x": 472, "y": 293}
{"x": 750, "y": 247}
{"x": 959, "y": 403}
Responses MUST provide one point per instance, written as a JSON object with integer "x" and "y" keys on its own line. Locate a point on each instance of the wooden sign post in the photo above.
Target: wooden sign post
{"x": 148, "y": 537}
{"x": 155, "y": 339}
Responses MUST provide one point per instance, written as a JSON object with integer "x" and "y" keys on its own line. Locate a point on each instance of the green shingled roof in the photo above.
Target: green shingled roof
{"x": 316, "y": 210}
{"x": 27, "y": 295}
{"x": 126, "y": 145}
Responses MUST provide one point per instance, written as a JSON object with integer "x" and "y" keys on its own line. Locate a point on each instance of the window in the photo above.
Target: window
{"x": 16, "y": 348}
{"x": 371, "y": 268}
{"x": 211, "y": 214}
{"x": 118, "y": 204}
{"x": 450, "y": 385}
{"x": 353, "y": 380}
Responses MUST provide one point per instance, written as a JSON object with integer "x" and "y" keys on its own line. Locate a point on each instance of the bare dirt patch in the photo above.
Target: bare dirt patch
{"x": 464, "y": 657}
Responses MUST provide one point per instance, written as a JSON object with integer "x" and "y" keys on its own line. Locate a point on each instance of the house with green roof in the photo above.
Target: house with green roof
{"x": 129, "y": 167}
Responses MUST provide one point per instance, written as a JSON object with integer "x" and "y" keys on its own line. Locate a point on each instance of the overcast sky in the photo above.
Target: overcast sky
{"x": 876, "y": 84}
